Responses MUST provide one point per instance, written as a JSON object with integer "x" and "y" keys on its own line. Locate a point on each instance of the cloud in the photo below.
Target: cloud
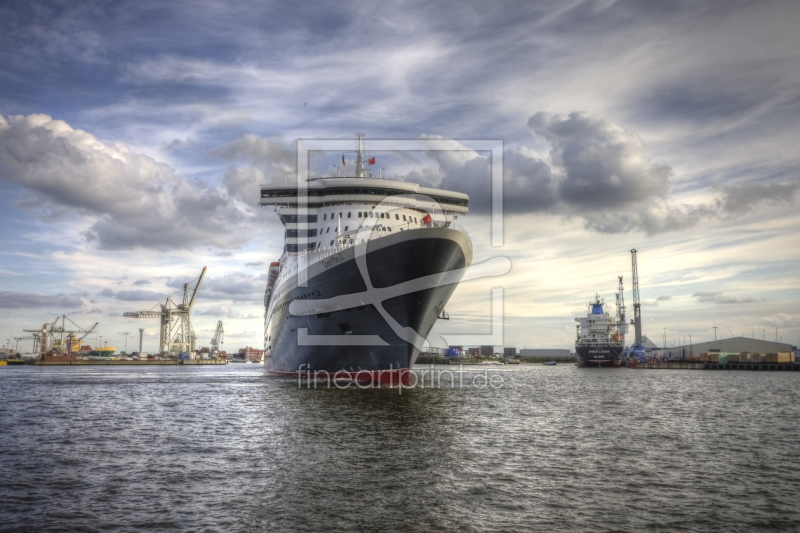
{"x": 664, "y": 298}
{"x": 261, "y": 155}
{"x": 595, "y": 170}
{"x": 139, "y": 295}
{"x": 108, "y": 293}
{"x": 19, "y": 300}
{"x": 719, "y": 298}
{"x": 141, "y": 282}
{"x": 254, "y": 264}
{"x": 738, "y": 199}
{"x": 233, "y": 286}
{"x": 132, "y": 199}
{"x": 602, "y": 165}
{"x": 226, "y": 312}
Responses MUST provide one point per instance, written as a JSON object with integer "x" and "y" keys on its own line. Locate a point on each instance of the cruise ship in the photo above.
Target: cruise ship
{"x": 367, "y": 268}
{"x": 599, "y": 341}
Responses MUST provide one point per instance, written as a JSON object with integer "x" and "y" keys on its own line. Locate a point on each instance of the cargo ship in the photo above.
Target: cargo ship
{"x": 368, "y": 265}
{"x": 599, "y": 341}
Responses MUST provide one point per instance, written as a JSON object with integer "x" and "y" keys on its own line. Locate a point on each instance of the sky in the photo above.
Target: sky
{"x": 134, "y": 137}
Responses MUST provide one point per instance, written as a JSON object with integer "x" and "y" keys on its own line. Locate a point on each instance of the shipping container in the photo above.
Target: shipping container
{"x": 785, "y": 357}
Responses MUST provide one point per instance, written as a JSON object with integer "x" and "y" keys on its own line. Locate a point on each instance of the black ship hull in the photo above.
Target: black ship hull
{"x": 354, "y": 340}
{"x": 597, "y": 354}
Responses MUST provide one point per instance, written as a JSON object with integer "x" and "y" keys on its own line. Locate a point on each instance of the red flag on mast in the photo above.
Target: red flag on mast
{"x": 371, "y": 161}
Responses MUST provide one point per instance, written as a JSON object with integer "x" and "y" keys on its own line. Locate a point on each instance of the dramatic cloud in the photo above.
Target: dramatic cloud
{"x": 135, "y": 200}
{"x": 139, "y": 296}
{"x": 233, "y": 286}
{"x": 742, "y": 198}
{"x": 719, "y": 298}
{"x": 261, "y": 155}
{"x": 595, "y": 170}
{"x": 19, "y": 300}
{"x": 602, "y": 165}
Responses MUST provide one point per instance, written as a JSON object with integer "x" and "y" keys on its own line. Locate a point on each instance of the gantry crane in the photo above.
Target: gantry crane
{"x": 217, "y": 340}
{"x": 72, "y": 341}
{"x": 176, "y": 334}
{"x": 52, "y": 335}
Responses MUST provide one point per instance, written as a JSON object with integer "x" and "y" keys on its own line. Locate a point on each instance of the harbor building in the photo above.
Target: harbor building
{"x": 731, "y": 345}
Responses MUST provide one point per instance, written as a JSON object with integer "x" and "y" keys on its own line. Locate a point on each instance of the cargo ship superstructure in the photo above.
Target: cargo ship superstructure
{"x": 599, "y": 341}
{"x": 367, "y": 268}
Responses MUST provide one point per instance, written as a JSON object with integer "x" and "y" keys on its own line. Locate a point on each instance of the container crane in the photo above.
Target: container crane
{"x": 217, "y": 340}
{"x": 175, "y": 334}
{"x": 72, "y": 341}
{"x": 53, "y": 335}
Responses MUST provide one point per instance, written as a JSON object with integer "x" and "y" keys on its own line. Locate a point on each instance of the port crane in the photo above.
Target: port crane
{"x": 217, "y": 339}
{"x": 52, "y": 335}
{"x": 176, "y": 334}
{"x": 637, "y": 348}
{"x": 72, "y": 341}
{"x": 622, "y": 326}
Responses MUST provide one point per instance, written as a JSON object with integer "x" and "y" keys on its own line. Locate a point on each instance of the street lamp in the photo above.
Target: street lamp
{"x": 126, "y": 342}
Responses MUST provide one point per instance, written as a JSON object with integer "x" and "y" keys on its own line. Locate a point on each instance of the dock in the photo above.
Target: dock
{"x": 704, "y": 365}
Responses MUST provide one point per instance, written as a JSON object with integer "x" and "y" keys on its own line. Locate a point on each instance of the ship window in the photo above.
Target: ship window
{"x": 328, "y": 230}
{"x": 404, "y": 218}
{"x": 345, "y": 228}
{"x": 370, "y": 214}
{"x": 340, "y": 214}
{"x": 294, "y": 219}
{"x": 348, "y": 214}
{"x": 331, "y": 243}
{"x": 298, "y": 233}
{"x": 300, "y": 247}
{"x": 396, "y": 216}
{"x": 325, "y": 216}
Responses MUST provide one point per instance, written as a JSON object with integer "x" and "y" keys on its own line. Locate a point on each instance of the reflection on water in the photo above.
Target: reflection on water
{"x": 553, "y": 449}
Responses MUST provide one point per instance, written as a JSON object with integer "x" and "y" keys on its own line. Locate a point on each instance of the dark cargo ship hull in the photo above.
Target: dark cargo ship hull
{"x": 599, "y": 354}
{"x": 391, "y": 261}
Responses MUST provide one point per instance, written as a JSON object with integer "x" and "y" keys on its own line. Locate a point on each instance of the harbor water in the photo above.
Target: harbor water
{"x": 546, "y": 448}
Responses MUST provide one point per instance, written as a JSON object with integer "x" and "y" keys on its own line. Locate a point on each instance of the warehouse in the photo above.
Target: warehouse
{"x": 731, "y": 345}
